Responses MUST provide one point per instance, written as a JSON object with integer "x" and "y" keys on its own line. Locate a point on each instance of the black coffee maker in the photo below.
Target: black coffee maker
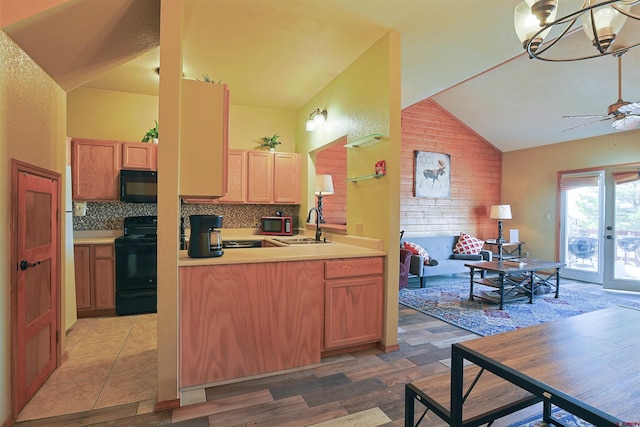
{"x": 205, "y": 241}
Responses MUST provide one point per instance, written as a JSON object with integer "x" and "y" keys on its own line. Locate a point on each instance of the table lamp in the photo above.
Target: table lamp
{"x": 500, "y": 212}
{"x": 324, "y": 187}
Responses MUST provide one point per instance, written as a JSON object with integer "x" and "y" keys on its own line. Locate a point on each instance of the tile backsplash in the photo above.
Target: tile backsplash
{"x": 110, "y": 215}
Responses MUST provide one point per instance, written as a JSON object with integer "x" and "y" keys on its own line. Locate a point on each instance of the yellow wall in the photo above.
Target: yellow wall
{"x": 364, "y": 99}
{"x": 33, "y": 115}
{"x": 105, "y": 114}
{"x": 248, "y": 124}
{"x": 529, "y": 182}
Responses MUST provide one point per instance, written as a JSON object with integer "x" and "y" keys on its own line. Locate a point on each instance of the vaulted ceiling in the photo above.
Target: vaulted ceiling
{"x": 279, "y": 53}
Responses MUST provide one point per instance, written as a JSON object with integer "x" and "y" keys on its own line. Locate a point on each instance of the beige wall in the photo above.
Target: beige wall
{"x": 32, "y": 110}
{"x": 530, "y": 177}
{"x": 364, "y": 99}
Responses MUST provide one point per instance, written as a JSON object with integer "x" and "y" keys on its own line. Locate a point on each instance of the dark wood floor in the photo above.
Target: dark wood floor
{"x": 360, "y": 389}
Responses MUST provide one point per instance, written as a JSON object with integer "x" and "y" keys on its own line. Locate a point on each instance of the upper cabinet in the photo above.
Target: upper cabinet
{"x": 204, "y": 134}
{"x": 273, "y": 178}
{"x": 259, "y": 177}
{"x": 95, "y": 167}
{"x": 136, "y": 155}
{"x": 286, "y": 178}
{"x": 96, "y": 164}
{"x": 236, "y": 177}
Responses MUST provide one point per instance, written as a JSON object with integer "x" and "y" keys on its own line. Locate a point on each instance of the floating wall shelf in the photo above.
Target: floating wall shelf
{"x": 363, "y": 177}
{"x": 365, "y": 140}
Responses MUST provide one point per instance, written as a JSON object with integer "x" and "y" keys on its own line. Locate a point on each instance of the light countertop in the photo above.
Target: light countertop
{"x": 99, "y": 237}
{"x": 282, "y": 254}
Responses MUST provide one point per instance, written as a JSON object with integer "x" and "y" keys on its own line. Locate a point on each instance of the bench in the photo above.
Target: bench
{"x": 489, "y": 398}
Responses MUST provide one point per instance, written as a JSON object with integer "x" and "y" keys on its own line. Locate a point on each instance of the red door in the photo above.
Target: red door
{"x": 35, "y": 288}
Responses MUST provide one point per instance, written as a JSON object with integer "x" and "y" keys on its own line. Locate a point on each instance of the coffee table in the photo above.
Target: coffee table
{"x": 515, "y": 280}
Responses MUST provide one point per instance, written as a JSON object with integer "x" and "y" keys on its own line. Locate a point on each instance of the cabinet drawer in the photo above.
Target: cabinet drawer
{"x": 356, "y": 267}
{"x": 103, "y": 251}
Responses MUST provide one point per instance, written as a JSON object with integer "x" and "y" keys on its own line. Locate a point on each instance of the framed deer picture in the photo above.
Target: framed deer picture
{"x": 432, "y": 174}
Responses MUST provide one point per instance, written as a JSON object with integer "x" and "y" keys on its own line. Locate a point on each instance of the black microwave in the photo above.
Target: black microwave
{"x": 138, "y": 186}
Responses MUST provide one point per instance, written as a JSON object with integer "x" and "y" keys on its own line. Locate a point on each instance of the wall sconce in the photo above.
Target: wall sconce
{"x": 316, "y": 119}
{"x": 324, "y": 187}
{"x": 500, "y": 212}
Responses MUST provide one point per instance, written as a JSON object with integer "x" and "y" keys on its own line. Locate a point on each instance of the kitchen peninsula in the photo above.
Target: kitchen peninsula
{"x": 259, "y": 310}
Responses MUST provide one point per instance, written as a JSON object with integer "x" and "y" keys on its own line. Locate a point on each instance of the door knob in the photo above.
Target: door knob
{"x": 24, "y": 264}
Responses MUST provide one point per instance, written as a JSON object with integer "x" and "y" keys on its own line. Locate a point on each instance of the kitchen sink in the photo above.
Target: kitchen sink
{"x": 241, "y": 244}
{"x": 300, "y": 241}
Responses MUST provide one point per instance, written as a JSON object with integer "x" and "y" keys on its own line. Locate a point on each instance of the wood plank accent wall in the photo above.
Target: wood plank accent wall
{"x": 475, "y": 175}
{"x": 333, "y": 161}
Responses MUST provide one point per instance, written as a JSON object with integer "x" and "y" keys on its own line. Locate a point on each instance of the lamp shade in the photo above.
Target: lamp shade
{"x": 324, "y": 185}
{"x": 500, "y": 212}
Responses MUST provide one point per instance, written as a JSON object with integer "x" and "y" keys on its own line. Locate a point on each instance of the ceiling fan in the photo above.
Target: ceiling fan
{"x": 625, "y": 115}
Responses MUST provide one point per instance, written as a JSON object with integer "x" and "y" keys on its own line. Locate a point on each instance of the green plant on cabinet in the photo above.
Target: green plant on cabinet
{"x": 152, "y": 134}
{"x": 269, "y": 142}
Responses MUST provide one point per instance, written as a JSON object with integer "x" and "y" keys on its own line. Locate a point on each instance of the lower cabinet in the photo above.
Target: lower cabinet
{"x": 353, "y": 298}
{"x": 95, "y": 279}
{"x": 239, "y": 320}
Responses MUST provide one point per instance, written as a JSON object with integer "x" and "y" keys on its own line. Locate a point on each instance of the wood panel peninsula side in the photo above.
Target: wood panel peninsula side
{"x": 260, "y": 310}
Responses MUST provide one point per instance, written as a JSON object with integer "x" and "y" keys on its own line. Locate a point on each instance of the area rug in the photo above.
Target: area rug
{"x": 567, "y": 419}
{"x": 450, "y": 302}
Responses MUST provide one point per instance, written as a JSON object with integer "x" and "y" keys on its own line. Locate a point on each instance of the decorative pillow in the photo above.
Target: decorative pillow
{"x": 417, "y": 250}
{"x": 468, "y": 245}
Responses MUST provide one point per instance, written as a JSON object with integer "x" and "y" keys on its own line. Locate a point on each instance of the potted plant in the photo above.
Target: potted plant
{"x": 152, "y": 134}
{"x": 270, "y": 142}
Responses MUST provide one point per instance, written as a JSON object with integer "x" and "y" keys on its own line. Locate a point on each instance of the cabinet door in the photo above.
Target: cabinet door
{"x": 95, "y": 167}
{"x": 204, "y": 132}
{"x": 259, "y": 177}
{"x": 81, "y": 259}
{"x": 353, "y": 311}
{"x": 103, "y": 277}
{"x": 286, "y": 178}
{"x": 136, "y": 155}
{"x": 260, "y": 318}
{"x": 236, "y": 178}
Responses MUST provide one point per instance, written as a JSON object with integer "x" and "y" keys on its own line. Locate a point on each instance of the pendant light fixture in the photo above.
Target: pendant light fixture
{"x": 601, "y": 21}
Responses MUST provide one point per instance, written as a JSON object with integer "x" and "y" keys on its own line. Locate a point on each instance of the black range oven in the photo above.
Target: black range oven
{"x": 136, "y": 266}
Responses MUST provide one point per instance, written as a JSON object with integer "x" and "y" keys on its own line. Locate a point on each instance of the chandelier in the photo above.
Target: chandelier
{"x": 601, "y": 20}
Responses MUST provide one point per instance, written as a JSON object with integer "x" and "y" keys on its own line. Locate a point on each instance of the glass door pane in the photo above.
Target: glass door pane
{"x": 582, "y": 197}
{"x": 623, "y": 264}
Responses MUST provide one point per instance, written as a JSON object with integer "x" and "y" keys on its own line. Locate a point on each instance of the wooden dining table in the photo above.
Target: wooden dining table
{"x": 588, "y": 365}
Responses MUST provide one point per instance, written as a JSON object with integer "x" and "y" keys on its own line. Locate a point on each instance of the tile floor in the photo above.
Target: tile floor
{"x": 112, "y": 361}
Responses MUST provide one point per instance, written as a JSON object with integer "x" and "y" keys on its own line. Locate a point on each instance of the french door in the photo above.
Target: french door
{"x": 600, "y": 227}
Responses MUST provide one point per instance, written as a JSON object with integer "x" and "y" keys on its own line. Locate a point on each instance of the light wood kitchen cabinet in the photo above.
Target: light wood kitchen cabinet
{"x": 238, "y": 320}
{"x": 286, "y": 178}
{"x": 353, "y": 298}
{"x": 95, "y": 279}
{"x": 95, "y": 168}
{"x": 204, "y": 135}
{"x": 236, "y": 178}
{"x": 259, "y": 177}
{"x": 138, "y": 155}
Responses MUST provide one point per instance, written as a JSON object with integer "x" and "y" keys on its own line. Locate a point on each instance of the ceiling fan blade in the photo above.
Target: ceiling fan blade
{"x": 587, "y": 124}
{"x": 628, "y": 108}
{"x": 626, "y": 123}
{"x": 585, "y": 116}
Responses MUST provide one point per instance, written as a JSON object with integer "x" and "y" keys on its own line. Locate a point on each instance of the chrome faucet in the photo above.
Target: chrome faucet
{"x": 318, "y": 229}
